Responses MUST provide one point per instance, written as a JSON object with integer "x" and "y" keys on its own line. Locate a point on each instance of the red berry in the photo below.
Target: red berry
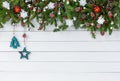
{"x": 68, "y": 1}
{"x": 23, "y": 24}
{"x": 31, "y": 8}
{"x": 81, "y": 8}
{"x": 20, "y": 17}
{"x": 46, "y": 3}
{"x": 77, "y": 9}
{"x": 52, "y": 15}
{"x": 65, "y": 17}
{"x": 93, "y": 5}
{"x": 92, "y": 14}
{"x": 39, "y": 10}
{"x": 107, "y": 8}
{"x": 24, "y": 35}
{"x": 81, "y": 19}
{"x": 105, "y": 22}
{"x": 35, "y": 1}
{"x": 40, "y": 28}
{"x": 55, "y": 4}
{"x": 102, "y": 33}
{"x": 110, "y": 15}
{"x": 98, "y": 25}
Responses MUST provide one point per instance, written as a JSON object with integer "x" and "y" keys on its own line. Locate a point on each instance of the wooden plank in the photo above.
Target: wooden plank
{"x": 32, "y": 76}
{"x": 49, "y": 28}
{"x": 65, "y": 46}
{"x": 63, "y": 57}
{"x": 59, "y": 67}
{"x": 60, "y": 36}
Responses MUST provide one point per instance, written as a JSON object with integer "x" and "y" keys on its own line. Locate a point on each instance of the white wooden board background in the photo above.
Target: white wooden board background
{"x": 71, "y": 55}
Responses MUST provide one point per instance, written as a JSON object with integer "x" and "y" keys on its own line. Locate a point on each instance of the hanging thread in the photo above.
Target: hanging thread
{"x": 14, "y": 42}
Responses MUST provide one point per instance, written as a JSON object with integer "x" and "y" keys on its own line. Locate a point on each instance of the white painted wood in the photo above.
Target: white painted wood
{"x": 59, "y": 67}
{"x": 107, "y": 57}
{"x": 65, "y": 46}
{"x": 60, "y": 36}
{"x": 71, "y": 55}
{"x": 36, "y": 76}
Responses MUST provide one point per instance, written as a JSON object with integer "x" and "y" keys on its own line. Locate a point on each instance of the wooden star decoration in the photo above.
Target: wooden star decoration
{"x": 24, "y": 53}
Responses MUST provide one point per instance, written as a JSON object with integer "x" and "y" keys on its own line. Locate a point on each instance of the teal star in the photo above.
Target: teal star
{"x": 24, "y": 53}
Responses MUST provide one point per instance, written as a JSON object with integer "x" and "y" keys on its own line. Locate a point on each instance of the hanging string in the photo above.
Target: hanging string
{"x": 24, "y": 37}
{"x": 24, "y": 53}
{"x": 14, "y": 25}
{"x": 14, "y": 42}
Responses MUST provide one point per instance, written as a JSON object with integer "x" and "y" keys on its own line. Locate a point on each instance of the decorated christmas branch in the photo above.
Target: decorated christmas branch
{"x": 93, "y": 15}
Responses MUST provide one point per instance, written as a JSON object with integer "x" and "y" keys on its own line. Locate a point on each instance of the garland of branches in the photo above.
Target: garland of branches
{"x": 93, "y": 15}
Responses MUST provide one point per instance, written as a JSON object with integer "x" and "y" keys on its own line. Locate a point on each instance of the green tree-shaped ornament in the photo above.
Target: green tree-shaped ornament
{"x": 14, "y": 43}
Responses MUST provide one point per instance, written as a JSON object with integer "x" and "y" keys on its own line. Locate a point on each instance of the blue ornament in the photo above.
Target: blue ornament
{"x": 24, "y": 53}
{"x": 14, "y": 43}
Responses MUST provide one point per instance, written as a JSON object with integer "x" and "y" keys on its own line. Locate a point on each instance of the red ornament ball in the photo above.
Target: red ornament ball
{"x": 17, "y": 9}
{"x": 96, "y": 9}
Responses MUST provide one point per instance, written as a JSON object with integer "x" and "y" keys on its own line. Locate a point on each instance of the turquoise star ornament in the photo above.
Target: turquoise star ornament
{"x": 14, "y": 43}
{"x": 24, "y": 53}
